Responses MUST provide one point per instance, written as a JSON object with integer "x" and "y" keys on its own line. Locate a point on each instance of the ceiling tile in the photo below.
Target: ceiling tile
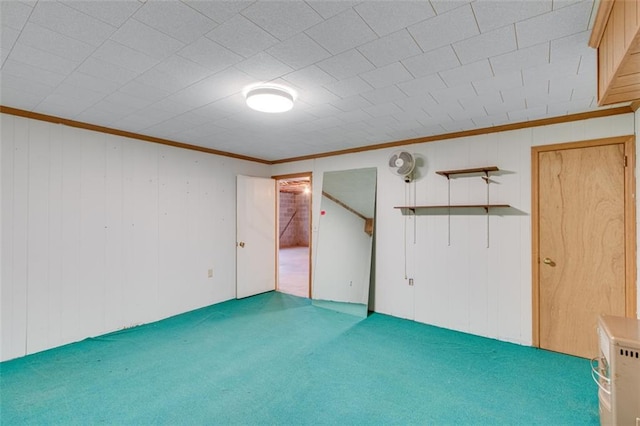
{"x": 220, "y": 10}
{"x": 21, "y": 84}
{"x": 480, "y": 101}
{"x": 209, "y": 54}
{"x": 67, "y": 21}
{"x": 54, "y": 43}
{"x": 432, "y": 62}
{"x": 453, "y": 93}
{"x": 14, "y": 14}
{"x": 445, "y": 29}
{"x": 113, "y": 12}
{"x": 317, "y": 96}
{"x": 500, "y": 82}
{"x": 387, "y": 75}
{"x": 577, "y": 44}
{"x": 492, "y": 14}
{"x": 263, "y": 67}
{"x": 557, "y": 24}
{"x": 327, "y": 9}
{"x": 423, "y": 85}
{"x": 528, "y": 114}
{"x": 520, "y": 59}
{"x": 568, "y": 66}
{"x": 342, "y": 32}
{"x": 143, "y": 91}
{"x": 89, "y": 82}
{"x": 242, "y": 36}
{"x": 416, "y": 103}
{"x": 175, "y": 19}
{"x": 443, "y": 6}
{"x": 224, "y": 107}
{"x": 387, "y": 17}
{"x": 298, "y": 52}
{"x": 283, "y": 19}
{"x": 8, "y": 37}
{"x": 126, "y": 101}
{"x": 213, "y": 88}
{"x": 490, "y": 120}
{"x": 125, "y": 57}
{"x": 383, "y": 110}
{"x": 346, "y": 64}
{"x": 391, "y": 48}
{"x": 492, "y": 43}
{"x": 466, "y": 73}
{"x": 351, "y": 103}
{"x": 41, "y": 59}
{"x": 349, "y": 87}
{"x": 309, "y": 77}
{"x": 31, "y": 73}
{"x": 386, "y": 94}
{"x": 17, "y": 98}
{"x": 181, "y": 71}
{"x": 324, "y": 110}
{"x": 524, "y": 92}
{"x": 107, "y": 71}
{"x": 78, "y": 94}
{"x": 145, "y": 39}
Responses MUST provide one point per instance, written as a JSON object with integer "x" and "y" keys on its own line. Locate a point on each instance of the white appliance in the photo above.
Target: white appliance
{"x": 617, "y": 371}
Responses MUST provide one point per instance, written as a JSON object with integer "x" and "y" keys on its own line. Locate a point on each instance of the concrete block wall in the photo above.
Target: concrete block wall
{"x": 297, "y": 233}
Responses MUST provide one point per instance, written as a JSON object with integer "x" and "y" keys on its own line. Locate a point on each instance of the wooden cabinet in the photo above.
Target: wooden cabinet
{"x": 616, "y": 36}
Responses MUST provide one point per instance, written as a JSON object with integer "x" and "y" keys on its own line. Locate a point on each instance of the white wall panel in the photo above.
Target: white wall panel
{"x": 54, "y": 247}
{"x": 69, "y": 312}
{"x": 92, "y": 231}
{"x": 114, "y": 292}
{"x": 86, "y": 247}
{"x": 140, "y": 211}
{"x": 38, "y": 238}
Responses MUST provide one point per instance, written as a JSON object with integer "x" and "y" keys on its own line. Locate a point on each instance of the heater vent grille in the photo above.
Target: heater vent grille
{"x": 629, "y": 353}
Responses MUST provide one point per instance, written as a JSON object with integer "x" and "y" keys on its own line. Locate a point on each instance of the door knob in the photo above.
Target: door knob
{"x": 548, "y": 261}
{"x": 241, "y": 244}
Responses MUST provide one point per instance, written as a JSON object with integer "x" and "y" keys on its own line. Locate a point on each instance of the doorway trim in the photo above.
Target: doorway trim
{"x": 278, "y": 178}
{"x": 629, "y": 223}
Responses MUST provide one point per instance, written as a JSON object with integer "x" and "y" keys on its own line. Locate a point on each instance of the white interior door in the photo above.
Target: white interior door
{"x": 255, "y": 236}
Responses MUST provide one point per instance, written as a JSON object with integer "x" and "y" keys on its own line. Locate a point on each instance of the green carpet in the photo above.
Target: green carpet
{"x": 277, "y": 359}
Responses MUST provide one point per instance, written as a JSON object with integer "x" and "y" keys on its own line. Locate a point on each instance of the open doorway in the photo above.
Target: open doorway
{"x": 294, "y": 234}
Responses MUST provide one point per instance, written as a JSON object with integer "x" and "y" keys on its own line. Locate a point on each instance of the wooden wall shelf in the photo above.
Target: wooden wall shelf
{"x": 486, "y": 207}
{"x": 447, "y": 208}
{"x": 485, "y": 170}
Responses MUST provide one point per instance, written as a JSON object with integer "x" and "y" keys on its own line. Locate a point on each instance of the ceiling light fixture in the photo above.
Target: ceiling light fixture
{"x": 270, "y": 98}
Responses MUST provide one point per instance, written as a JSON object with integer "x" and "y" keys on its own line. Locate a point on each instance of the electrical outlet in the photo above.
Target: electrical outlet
{"x": 410, "y": 281}
{"x": 210, "y": 273}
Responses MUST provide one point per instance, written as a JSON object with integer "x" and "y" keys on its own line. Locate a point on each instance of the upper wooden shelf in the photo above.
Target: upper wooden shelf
{"x": 485, "y": 170}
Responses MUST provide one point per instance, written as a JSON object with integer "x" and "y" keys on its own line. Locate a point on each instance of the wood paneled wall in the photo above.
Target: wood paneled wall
{"x": 101, "y": 232}
{"x": 465, "y": 285}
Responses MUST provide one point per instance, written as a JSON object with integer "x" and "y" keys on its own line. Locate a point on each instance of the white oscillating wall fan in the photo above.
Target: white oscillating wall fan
{"x": 402, "y": 163}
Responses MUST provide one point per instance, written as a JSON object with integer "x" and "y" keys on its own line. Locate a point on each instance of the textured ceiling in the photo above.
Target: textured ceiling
{"x": 366, "y": 72}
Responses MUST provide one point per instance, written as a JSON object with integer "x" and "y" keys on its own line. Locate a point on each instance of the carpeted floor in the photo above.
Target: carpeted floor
{"x": 277, "y": 359}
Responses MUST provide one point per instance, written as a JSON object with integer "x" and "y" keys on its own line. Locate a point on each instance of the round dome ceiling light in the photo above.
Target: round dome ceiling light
{"x": 270, "y": 98}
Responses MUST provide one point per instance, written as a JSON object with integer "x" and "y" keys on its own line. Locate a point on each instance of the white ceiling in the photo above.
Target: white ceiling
{"x": 366, "y": 72}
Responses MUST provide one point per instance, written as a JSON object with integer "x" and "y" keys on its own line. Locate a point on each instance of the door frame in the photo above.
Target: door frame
{"x": 629, "y": 223}
{"x": 278, "y": 178}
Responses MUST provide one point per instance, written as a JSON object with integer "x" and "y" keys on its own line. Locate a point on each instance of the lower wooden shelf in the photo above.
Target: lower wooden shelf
{"x": 446, "y": 208}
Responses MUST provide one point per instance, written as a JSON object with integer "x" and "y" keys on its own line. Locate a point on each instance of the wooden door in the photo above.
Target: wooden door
{"x": 582, "y": 244}
{"x": 256, "y": 236}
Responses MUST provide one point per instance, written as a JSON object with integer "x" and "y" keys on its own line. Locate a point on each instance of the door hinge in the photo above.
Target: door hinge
{"x": 625, "y": 161}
